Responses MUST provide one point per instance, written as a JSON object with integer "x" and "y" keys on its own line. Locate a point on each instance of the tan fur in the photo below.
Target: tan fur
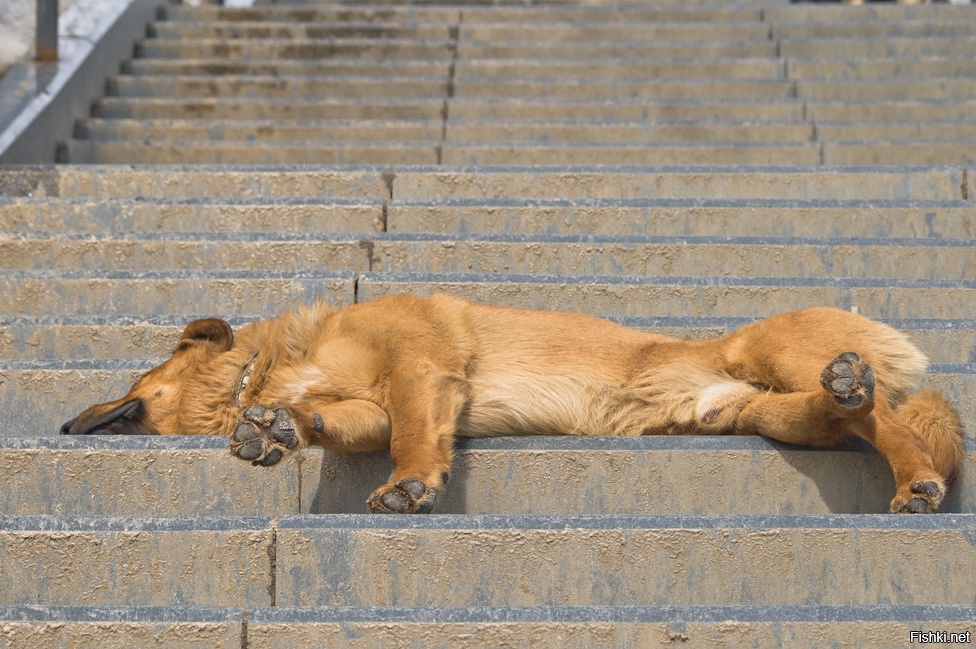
{"x": 412, "y": 374}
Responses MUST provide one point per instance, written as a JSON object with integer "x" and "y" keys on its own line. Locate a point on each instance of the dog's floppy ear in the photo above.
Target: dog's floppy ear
{"x": 211, "y": 331}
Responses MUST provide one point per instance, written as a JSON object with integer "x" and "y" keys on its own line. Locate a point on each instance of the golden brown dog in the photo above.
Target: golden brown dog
{"x": 412, "y": 374}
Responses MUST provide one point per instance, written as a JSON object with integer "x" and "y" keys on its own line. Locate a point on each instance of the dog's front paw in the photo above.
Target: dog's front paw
{"x": 405, "y": 497}
{"x": 263, "y": 436}
{"x": 921, "y": 496}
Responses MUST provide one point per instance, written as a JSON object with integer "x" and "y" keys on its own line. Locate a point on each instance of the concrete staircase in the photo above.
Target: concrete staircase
{"x": 687, "y": 167}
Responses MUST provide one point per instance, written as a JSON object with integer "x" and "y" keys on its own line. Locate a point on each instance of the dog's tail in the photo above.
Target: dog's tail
{"x": 938, "y": 424}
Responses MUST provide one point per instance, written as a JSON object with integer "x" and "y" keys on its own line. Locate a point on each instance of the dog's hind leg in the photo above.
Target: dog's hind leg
{"x": 425, "y": 403}
{"x": 850, "y": 404}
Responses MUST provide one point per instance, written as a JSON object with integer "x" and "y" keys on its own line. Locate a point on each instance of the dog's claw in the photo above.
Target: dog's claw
{"x": 261, "y": 442}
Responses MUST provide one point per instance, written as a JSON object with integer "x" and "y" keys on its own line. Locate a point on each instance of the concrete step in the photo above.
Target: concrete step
{"x": 387, "y": 12}
{"x": 525, "y": 254}
{"x": 427, "y": 109}
{"x": 296, "y": 68}
{"x": 469, "y": 30}
{"x": 304, "y": 30}
{"x": 640, "y": 49}
{"x": 875, "y": 153}
{"x": 894, "y": 46}
{"x": 817, "y": 13}
{"x": 727, "y": 182}
{"x": 687, "y": 296}
{"x": 623, "y": 560}
{"x": 270, "y": 49}
{"x": 928, "y": 27}
{"x": 881, "y": 68}
{"x": 891, "y": 111}
{"x": 127, "y": 561}
{"x": 622, "y": 68}
{"x": 39, "y": 395}
{"x": 446, "y": 182}
{"x": 205, "y": 152}
{"x": 949, "y": 89}
{"x": 277, "y": 87}
{"x": 190, "y": 182}
{"x": 197, "y": 476}
{"x": 479, "y": 627}
{"x": 677, "y": 217}
{"x": 114, "y": 627}
{"x": 915, "y": 133}
{"x": 247, "y": 109}
{"x": 104, "y": 337}
{"x": 482, "y": 131}
{"x": 479, "y": 560}
{"x": 186, "y": 215}
{"x": 47, "y": 292}
{"x": 600, "y": 88}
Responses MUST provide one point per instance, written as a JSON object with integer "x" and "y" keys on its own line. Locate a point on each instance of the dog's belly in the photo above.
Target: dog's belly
{"x": 523, "y": 402}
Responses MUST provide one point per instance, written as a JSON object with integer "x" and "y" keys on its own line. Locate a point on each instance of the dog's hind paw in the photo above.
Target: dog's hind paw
{"x": 921, "y": 497}
{"x": 262, "y": 436}
{"x": 850, "y": 381}
{"x": 404, "y": 497}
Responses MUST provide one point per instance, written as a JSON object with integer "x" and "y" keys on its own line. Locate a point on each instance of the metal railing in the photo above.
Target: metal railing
{"x": 46, "y": 32}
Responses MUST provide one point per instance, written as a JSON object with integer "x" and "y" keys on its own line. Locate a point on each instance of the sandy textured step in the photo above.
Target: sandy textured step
{"x": 47, "y": 292}
{"x": 205, "y": 152}
{"x": 138, "y": 337}
{"x": 681, "y": 217}
{"x": 267, "y": 109}
{"x": 894, "y": 46}
{"x": 140, "y": 476}
{"x": 688, "y": 296}
{"x": 624, "y": 560}
{"x": 542, "y": 133}
{"x": 296, "y": 68}
{"x": 658, "y": 153}
{"x": 917, "y": 28}
{"x": 640, "y": 49}
{"x": 881, "y": 68}
{"x": 586, "y": 627}
{"x": 445, "y": 182}
{"x": 270, "y": 130}
{"x": 601, "y": 88}
{"x": 115, "y": 627}
{"x": 622, "y": 68}
{"x": 474, "y": 13}
{"x": 40, "y": 395}
{"x": 636, "y": 256}
{"x": 928, "y": 89}
{"x": 769, "y": 110}
{"x": 817, "y": 13}
{"x": 278, "y": 87}
{"x": 304, "y": 30}
{"x": 197, "y": 476}
{"x": 297, "y": 214}
{"x": 270, "y": 49}
{"x": 914, "y": 133}
{"x": 702, "y": 182}
{"x": 136, "y": 561}
{"x": 957, "y": 151}
{"x": 892, "y": 111}
{"x": 580, "y": 32}
{"x": 195, "y": 181}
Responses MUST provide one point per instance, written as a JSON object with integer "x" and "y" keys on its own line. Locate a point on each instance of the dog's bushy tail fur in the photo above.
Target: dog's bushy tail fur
{"x": 939, "y": 426}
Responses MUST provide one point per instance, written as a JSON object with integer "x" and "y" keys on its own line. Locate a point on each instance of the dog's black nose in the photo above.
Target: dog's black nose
{"x": 66, "y": 426}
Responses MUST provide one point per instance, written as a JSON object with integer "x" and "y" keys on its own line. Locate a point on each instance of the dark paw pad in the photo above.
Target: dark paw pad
{"x": 405, "y": 497}
{"x": 262, "y": 436}
{"x": 915, "y": 506}
{"x": 849, "y": 380}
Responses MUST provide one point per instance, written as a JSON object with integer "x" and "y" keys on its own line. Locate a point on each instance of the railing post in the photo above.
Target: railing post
{"x": 46, "y": 33}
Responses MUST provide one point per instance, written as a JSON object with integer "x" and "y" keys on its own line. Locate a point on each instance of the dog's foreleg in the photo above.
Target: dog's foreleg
{"x": 425, "y": 403}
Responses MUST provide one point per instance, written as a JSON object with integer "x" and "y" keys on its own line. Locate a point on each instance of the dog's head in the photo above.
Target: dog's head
{"x": 152, "y": 405}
